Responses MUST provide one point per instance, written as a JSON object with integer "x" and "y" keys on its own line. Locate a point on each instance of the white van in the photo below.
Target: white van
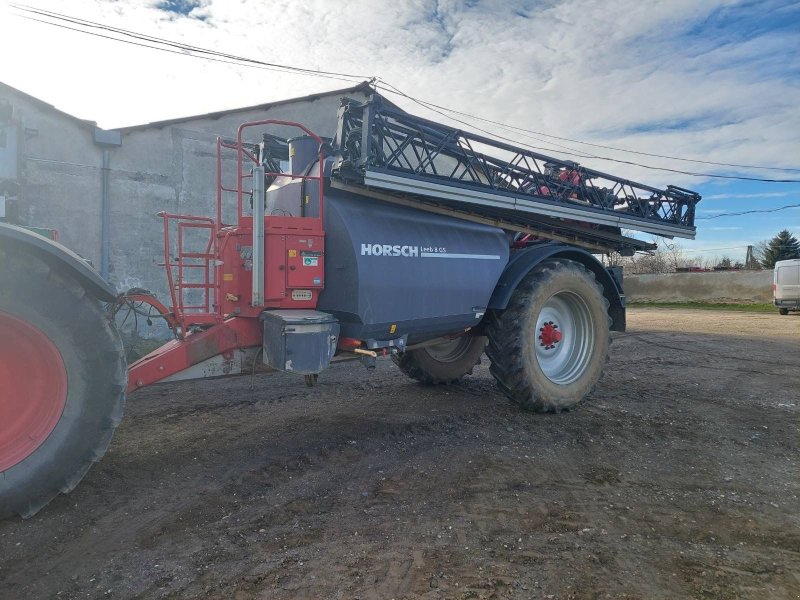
{"x": 786, "y": 285}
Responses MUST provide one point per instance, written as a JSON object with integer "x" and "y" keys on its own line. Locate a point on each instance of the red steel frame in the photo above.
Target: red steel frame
{"x": 202, "y": 331}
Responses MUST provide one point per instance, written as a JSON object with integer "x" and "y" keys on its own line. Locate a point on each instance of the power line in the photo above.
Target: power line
{"x": 615, "y": 148}
{"x": 145, "y": 45}
{"x": 178, "y": 47}
{"x": 204, "y": 53}
{"x": 388, "y": 87}
{"x": 687, "y": 250}
{"x": 181, "y": 45}
{"x": 711, "y": 249}
{"x": 234, "y": 59}
{"x": 394, "y": 90}
{"x": 749, "y": 212}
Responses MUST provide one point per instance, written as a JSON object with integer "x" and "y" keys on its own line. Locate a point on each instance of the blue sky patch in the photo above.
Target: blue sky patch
{"x": 179, "y": 7}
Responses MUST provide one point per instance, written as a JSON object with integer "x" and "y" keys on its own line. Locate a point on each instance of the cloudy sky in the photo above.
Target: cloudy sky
{"x": 715, "y": 80}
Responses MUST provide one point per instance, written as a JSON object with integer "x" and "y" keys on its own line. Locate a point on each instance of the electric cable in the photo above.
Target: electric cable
{"x": 181, "y": 49}
{"x": 394, "y": 90}
{"x": 749, "y": 212}
{"x": 615, "y": 148}
{"x": 215, "y": 56}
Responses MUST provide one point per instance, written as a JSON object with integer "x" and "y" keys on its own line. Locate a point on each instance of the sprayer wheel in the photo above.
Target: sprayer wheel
{"x": 442, "y": 363}
{"x": 549, "y": 347}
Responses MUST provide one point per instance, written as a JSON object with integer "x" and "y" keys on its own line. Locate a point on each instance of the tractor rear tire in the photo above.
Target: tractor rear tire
{"x": 783, "y": 311}
{"x": 549, "y": 347}
{"x": 443, "y": 363}
{"x": 62, "y": 382}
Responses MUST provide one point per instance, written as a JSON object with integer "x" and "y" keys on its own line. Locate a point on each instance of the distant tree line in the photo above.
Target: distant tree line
{"x": 670, "y": 257}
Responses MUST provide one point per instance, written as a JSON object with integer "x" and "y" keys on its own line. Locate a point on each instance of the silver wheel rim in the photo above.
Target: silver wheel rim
{"x": 565, "y": 337}
{"x": 451, "y": 350}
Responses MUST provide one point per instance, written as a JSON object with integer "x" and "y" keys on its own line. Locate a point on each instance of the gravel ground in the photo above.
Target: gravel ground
{"x": 679, "y": 478}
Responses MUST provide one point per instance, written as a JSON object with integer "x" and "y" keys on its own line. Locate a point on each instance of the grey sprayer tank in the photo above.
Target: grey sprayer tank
{"x": 393, "y": 266}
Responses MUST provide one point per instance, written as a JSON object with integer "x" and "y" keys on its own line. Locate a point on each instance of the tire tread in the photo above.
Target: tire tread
{"x": 22, "y": 490}
{"x": 505, "y": 337}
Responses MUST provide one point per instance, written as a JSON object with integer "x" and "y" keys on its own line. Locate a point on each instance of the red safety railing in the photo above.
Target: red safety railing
{"x": 241, "y": 151}
{"x": 194, "y": 275}
{"x": 191, "y": 275}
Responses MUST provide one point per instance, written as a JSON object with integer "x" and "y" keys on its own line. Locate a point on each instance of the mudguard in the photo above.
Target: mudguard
{"x": 522, "y": 261}
{"x": 59, "y": 257}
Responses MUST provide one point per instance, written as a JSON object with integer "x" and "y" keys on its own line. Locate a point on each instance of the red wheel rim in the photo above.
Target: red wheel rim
{"x": 33, "y": 389}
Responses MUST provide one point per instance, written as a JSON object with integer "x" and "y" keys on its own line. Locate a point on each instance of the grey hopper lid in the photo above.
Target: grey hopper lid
{"x": 298, "y": 316}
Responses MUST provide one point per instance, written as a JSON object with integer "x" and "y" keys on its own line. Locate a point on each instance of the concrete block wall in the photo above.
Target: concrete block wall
{"x": 717, "y": 286}
{"x": 59, "y": 173}
{"x": 159, "y": 167}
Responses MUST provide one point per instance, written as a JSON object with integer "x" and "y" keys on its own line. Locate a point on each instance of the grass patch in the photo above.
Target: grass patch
{"x": 757, "y": 308}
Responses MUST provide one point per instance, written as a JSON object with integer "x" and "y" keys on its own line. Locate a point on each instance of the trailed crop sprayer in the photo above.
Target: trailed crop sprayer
{"x": 398, "y": 237}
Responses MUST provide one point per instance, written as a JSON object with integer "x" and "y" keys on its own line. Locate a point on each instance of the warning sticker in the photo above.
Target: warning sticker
{"x": 302, "y": 295}
{"x": 310, "y": 261}
{"x": 292, "y": 253}
{"x": 227, "y": 277}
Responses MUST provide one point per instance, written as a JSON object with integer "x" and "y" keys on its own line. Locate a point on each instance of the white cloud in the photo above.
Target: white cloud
{"x": 586, "y": 69}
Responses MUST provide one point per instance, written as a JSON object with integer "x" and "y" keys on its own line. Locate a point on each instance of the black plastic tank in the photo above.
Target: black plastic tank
{"x": 392, "y": 271}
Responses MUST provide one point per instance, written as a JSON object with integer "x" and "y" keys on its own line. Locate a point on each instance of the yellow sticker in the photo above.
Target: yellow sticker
{"x": 227, "y": 277}
{"x": 393, "y": 328}
{"x": 291, "y": 150}
{"x": 292, "y": 253}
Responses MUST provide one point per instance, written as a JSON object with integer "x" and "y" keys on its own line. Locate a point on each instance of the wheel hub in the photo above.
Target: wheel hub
{"x": 564, "y": 337}
{"x": 33, "y": 389}
{"x": 549, "y": 335}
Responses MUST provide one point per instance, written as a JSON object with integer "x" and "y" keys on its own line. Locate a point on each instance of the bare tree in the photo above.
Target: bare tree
{"x": 674, "y": 255}
{"x": 759, "y": 250}
{"x": 667, "y": 257}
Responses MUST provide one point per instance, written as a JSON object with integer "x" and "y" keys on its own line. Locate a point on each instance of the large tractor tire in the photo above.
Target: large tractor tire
{"x": 442, "y": 363}
{"x": 549, "y": 347}
{"x": 62, "y": 382}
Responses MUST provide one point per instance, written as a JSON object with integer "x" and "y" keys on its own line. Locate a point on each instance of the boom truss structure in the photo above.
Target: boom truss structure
{"x": 394, "y": 156}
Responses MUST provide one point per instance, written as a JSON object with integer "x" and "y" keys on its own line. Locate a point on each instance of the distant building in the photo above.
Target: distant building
{"x": 52, "y": 174}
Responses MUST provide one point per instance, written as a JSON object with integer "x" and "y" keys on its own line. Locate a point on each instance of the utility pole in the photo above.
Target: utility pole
{"x": 750, "y": 261}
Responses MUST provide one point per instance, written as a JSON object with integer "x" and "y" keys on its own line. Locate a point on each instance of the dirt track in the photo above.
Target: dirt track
{"x": 680, "y": 478}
